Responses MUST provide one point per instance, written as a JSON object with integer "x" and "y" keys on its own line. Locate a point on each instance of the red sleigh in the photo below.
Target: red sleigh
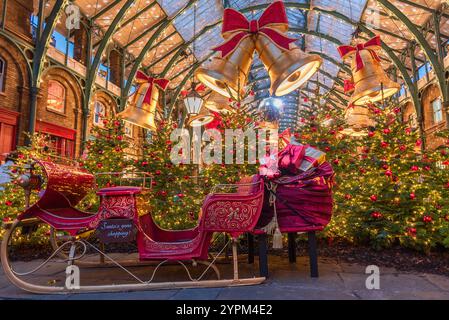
{"x": 232, "y": 213}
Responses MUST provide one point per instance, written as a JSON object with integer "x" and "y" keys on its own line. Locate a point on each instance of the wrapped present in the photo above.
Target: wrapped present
{"x": 312, "y": 158}
{"x": 291, "y": 158}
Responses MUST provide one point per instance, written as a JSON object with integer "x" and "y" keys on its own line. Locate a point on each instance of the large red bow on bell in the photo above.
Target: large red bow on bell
{"x": 143, "y": 78}
{"x": 237, "y": 27}
{"x": 371, "y": 45}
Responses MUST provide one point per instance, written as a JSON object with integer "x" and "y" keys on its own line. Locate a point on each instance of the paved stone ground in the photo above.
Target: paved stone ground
{"x": 286, "y": 282}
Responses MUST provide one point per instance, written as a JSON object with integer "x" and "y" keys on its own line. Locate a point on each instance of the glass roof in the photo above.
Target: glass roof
{"x": 195, "y": 26}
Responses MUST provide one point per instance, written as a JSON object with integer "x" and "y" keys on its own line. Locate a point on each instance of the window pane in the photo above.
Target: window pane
{"x": 2, "y": 74}
{"x": 100, "y": 112}
{"x": 437, "y": 111}
{"x": 56, "y": 96}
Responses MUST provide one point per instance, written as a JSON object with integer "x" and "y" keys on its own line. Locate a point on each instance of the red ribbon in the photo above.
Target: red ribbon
{"x": 200, "y": 88}
{"x": 349, "y": 86}
{"x": 236, "y": 28}
{"x": 143, "y": 78}
{"x": 371, "y": 45}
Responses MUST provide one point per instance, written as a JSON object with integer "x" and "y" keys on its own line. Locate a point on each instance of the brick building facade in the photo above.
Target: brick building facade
{"x": 60, "y": 96}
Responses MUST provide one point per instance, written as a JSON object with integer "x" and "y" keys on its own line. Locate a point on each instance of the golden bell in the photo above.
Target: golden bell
{"x": 358, "y": 120}
{"x": 140, "y": 113}
{"x": 371, "y": 82}
{"x": 200, "y": 119}
{"x": 288, "y": 69}
{"x": 218, "y": 103}
{"x": 228, "y": 75}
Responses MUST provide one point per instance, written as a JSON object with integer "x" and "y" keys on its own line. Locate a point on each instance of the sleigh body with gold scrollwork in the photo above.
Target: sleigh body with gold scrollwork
{"x": 118, "y": 219}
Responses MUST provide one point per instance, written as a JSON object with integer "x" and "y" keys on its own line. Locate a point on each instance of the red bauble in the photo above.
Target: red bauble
{"x": 99, "y": 165}
{"x": 427, "y": 219}
{"x": 157, "y": 172}
{"x": 412, "y": 196}
{"x": 387, "y": 131}
{"x": 373, "y": 198}
{"x": 119, "y": 138}
{"x": 402, "y": 148}
{"x": 376, "y": 215}
{"x": 348, "y": 196}
{"x": 388, "y": 173}
{"x": 384, "y": 144}
{"x": 412, "y": 231}
{"x": 336, "y": 161}
{"x": 371, "y": 134}
{"x": 418, "y": 143}
{"x": 385, "y": 166}
{"x": 181, "y": 195}
{"x": 414, "y": 168}
{"x": 163, "y": 193}
{"x": 8, "y": 203}
{"x": 408, "y": 130}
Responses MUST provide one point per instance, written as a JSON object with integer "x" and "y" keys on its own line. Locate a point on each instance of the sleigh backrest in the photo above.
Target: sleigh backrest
{"x": 66, "y": 185}
{"x": 234, "y": 212}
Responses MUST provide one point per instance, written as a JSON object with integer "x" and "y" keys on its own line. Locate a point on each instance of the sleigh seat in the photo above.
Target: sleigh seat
{"x": 234, "y": 213}
{"x": 66, "y": 187}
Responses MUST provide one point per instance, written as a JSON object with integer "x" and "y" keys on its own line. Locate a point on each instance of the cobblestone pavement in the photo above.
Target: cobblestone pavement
{"x": 287, "y": 282}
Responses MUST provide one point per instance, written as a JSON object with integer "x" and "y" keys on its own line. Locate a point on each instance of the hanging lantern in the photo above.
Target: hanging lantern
{"x": 370, "y": 80}
{"x": 193, "y": 102}
{"x": 142, "y": 105}
{"x": 358, "y": 120}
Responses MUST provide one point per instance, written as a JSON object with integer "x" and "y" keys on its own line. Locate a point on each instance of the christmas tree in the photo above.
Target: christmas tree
{"x": 386, "y": 196}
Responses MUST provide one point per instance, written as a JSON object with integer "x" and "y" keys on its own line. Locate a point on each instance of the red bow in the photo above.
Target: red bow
{"x": 217, "y": 122}
{"x": 238, "y": 28}
{"x": 348, "y": 86}
{"x": 371, "y": 45}
{"x": 143, "y": 78}
{"x": 200, "y": 88}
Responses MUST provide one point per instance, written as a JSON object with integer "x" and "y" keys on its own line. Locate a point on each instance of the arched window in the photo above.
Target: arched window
{"x": 99, "y": 113}
{"x": 56, "y": 96}
{"x": 2, "y": 74}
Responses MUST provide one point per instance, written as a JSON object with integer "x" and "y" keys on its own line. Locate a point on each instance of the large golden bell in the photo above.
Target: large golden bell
{"x": 358, "y": 120}
{"x": 200, "y": 119}
{"x": 288, "y": 69}
{"x": 140, "y": 113}
{"x": 371, "y": 82}
{"x": 218, "y": 103}
{"x": 228, "y": 75}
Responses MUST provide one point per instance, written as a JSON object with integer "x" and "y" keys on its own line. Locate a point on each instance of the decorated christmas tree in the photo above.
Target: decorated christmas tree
{"x": 386, "y": 196}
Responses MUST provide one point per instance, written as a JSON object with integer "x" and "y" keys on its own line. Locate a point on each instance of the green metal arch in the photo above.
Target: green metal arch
{"x": 93, "y": 68}
{"x": 421, "y": 40}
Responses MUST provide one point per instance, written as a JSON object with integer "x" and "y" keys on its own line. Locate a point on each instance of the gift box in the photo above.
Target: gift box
{"x": 312, "y": 158}
{"x": 291, "y": 158}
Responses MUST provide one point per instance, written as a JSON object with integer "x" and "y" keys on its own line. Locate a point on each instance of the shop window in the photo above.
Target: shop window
{"x": 56, "y": 97}
{"x": 99, "y": 113}
{"x": 2, "y": 74}
{"x": 437, "y": 110}
{"x": 62, "y": 146}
